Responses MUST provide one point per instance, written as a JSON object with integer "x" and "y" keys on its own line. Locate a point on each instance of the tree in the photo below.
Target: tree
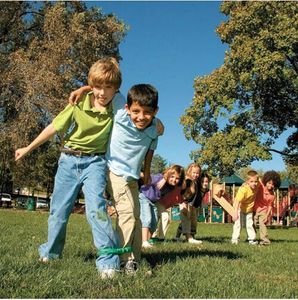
{"x": 158, "y": 164}
{"x": 240, "y": 108}
{"x": 292, "y": 173}
{"x": 46, "y": 50}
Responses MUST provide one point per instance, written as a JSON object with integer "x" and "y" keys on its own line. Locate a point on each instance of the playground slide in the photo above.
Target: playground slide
{"x": 217, "y": 190}
{"x": 225, "y": 205}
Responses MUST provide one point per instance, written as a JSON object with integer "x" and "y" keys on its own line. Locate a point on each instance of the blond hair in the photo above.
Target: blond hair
{"x": 105, "y": 71}
{"x": 190, "y": 167}
{"x": 250, "y": 174}
{"x": 174, "y": 169}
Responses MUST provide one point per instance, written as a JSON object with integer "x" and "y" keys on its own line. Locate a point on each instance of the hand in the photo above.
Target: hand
{"x": 160, "y": 128}
{"x": 235, "y": 217}
{"x": 19, "y": 153}
{"x": 183, "y": 206}
{"x": 161, "y": 183}
{"x": 76, "y": 95}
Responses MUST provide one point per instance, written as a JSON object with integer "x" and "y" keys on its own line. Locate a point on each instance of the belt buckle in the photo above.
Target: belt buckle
{"x": 79, "y": 153}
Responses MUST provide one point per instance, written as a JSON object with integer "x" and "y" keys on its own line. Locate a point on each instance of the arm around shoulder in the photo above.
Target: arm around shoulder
{"x": 76, "y": 96}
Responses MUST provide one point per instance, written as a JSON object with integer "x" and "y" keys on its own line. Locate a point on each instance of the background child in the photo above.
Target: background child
{"x": 189, "y": 209}
{"x": 163, "y": 225}
{"x": 204, "y": 189}
{"x": 244, "y": 203}
{"x": 263, "y": 203}
{"x": 82, "y": 164}
{"x": 161, "y": 184}
{"x": 192, "y": 184}
{"x": 133, "y": 140}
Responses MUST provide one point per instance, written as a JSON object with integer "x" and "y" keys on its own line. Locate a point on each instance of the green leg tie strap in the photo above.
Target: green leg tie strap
{"x": 105, "y": 251}
{"x": 153, "y": 240}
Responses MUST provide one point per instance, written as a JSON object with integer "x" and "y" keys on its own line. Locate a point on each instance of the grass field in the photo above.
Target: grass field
{"x": 215, "y": 269}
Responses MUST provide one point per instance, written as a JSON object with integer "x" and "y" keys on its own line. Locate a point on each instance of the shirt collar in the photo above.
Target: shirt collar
{"x": 87, "y": 105}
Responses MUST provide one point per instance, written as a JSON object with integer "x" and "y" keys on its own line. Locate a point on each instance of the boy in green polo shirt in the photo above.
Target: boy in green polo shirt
{"x": 82, "y": 163}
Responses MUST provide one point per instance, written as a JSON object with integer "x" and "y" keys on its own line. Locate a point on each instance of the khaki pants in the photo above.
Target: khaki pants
{"x": 128, "y": 224}
{"x": 247, "y": 219}
{"x": 188, "y": 216}
{"x": 189, "y": 220}
{"x": 261, "y": 217}
{"x": 163, "y": 217}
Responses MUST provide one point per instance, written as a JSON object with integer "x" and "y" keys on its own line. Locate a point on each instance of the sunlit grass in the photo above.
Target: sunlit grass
{"x": 215, "y": 269}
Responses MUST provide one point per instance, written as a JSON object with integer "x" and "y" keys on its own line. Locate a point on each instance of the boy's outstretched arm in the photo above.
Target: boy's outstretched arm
{"x": 44, "y": 136}
{"x": 147, "y": 165}
{"x": 76, "y": 95}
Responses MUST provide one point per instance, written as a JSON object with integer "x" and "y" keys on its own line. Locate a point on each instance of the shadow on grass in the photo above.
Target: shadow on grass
{"x": 156, "y": 259}
{"x": 213, "y": 239}
{"x": 283, "y": 241}
{"x": 228, "y": 240}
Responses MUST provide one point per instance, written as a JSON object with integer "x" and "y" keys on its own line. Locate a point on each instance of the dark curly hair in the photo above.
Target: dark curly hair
{"x": 272, "y": 175}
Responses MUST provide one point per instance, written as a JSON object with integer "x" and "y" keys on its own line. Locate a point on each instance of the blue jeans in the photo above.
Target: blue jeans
{"x": 148, "y": 213}
{"x": 88, "y": 172}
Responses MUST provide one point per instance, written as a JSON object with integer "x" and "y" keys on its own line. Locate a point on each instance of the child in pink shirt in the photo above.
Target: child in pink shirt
{"x": 263, "y": 203}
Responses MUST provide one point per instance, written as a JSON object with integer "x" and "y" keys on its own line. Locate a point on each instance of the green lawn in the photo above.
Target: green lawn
{"x": 215, "y": 269}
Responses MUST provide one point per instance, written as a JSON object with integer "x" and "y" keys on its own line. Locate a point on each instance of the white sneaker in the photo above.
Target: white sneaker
{"x": 108, "y": 273}
{"x": 194, "y": 241}
{"x": 146, "y": 244}
{"x": 234, "y": 242}
{"x": 44, "y": 260}
{"x": 253, "y": 242}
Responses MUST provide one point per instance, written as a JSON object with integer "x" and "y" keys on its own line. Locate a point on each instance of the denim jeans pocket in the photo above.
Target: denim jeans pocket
{"x": 62, "y": 157}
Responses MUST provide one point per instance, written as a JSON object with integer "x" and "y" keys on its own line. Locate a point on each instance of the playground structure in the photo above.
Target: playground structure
{"x": 219, "y": 207}
{"x": 285, "y": 208}
{"x": 226, "y": 200}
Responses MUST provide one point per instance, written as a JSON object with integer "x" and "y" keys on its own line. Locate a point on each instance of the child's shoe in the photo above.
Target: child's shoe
{"x": 146, "y": 244}
{"x": 44, "y": 260}
{"x": 194, "y": 241}
{"x": 130, "y": 267}
{"x": 234, "y": 242}
{"x": 253, "y": 242}
{"x": 265, "y": 243}
{"x": 108, "y": 273}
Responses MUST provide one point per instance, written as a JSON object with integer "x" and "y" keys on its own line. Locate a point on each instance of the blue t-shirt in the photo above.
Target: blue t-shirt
{"x": 118, "y": 102}
{"x": 128, "y": 146}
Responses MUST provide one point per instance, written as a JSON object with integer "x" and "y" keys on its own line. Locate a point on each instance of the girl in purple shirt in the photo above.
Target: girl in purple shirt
{"x": 160, "y": 185}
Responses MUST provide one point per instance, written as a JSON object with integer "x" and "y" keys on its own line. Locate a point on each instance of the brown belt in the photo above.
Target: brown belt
{"x": 78, "y": 152}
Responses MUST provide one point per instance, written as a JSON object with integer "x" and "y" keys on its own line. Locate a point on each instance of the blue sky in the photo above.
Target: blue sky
{"x": 170, "y": 43}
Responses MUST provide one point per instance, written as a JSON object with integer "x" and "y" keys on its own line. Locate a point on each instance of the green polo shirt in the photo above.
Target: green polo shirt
{"x": 86, "y": 128}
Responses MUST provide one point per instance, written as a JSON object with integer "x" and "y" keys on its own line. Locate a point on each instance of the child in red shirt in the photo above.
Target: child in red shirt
{"x": 263, "y": 203}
